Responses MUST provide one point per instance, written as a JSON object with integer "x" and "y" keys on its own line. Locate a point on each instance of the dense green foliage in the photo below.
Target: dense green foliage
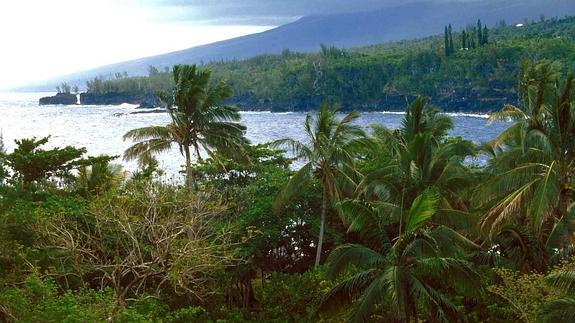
{"x": 477, "y": 76}
{"x": 412, "y": 230}
{"x": 379, "y": 77}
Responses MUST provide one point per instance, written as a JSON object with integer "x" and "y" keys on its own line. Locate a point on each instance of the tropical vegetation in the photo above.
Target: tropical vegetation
{"x": 476, "y": 76}
{"x": 198, "y": 121}
{"x": 357, "y": 223}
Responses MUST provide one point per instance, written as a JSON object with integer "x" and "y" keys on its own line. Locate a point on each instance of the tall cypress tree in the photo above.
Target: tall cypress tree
{"x": 485, "y": 35}
{"x": 451, "y": 48}
{"x": 463, "y": 39}
{"x": 446, "y": 39}
{"x": 471, "y": 39}
{"x": 479, "y": 34}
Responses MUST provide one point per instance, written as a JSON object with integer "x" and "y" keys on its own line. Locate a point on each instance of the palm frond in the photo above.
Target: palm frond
{"x": 296, "y": 185}
{"x": 544, "y": 198}
{"x": 560, "y": 310}
{"x": 151, "y": 132}
{"x": 422, "y": 209}
{"x": 509, "y": 112}
{"x": 364, "y": 307}
{"x": 564, "y": 279}
{"x": 299, "y": 149}
{"x": 344, "y": 291}
{"x": 397, "y": 291}
{"x": 146, "y": 149}
{"x": 348, "y": 255}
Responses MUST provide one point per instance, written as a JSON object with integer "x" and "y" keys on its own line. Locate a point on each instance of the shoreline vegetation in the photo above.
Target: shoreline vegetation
{"x": 383, "y": 225}
{"x": 388, "y": 224}
{"x": 472, "y": 76}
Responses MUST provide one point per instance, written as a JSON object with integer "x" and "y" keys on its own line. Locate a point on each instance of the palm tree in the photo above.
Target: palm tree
{"x": 407, "y": 275}
{"x": 198, "y": 121}
{"x": 404, "y": 163}
{"x": 97, "y": 178}
{"x": 533, "y": 161}
{"x": 562, "y": 309}
{"x": 3, "y": 172}
{"x": 329, "y": 155}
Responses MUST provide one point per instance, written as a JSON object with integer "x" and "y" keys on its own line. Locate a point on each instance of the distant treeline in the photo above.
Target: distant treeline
{"x": 156, "y": 81}
{"x": 466, "y": 78}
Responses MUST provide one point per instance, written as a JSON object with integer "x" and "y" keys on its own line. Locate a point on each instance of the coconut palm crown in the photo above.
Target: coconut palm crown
{"x": 198, "y": 122}
{"x": 329, "y": 155}
{"x": 404, "y": 279}
{"x": 533, "y": 161}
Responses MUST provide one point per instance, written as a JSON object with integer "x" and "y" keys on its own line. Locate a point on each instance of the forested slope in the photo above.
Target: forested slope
{"x": 383, "y": 77}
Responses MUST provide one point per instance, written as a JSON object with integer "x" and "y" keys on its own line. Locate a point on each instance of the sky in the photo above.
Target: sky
{"x": 43, "y": 39}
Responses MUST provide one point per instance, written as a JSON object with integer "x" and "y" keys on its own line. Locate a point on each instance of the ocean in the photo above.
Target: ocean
{"x": 100, "y": 128}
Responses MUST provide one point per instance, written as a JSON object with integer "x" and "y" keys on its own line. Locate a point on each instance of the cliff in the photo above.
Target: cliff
{"x": 59, "y": 99}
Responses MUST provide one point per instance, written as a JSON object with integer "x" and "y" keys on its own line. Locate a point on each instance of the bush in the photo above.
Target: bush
{"x": 39, "y": 301}
{"x": 292, "y": 297}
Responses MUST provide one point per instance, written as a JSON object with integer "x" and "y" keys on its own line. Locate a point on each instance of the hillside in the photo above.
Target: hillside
{"x": 342, "y": 30}
{"x": 384, "y": 77}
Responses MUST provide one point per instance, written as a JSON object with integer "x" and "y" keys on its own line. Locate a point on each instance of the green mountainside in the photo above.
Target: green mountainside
{"x": 384, "y": 77}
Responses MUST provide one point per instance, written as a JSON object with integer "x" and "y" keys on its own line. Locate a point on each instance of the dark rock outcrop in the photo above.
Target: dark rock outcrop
{"x": 111, "y": 98}
{"x": 145, "y": 101}
{"x": 150, "y": 101}
{"x": 60, "y": 99}
{"x": 148, "y": 111}
{"x": 464, "y": 99}
{"x": 248, "y": 101}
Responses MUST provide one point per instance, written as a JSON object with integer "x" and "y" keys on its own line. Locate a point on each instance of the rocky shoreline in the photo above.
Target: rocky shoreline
{"x": 145, "y": 101}
{"x": 459, "y": 100}
{"x": 59, "y": 99}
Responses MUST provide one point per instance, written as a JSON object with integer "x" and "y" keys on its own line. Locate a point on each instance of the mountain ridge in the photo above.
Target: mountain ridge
{"x": 346, "y": 30}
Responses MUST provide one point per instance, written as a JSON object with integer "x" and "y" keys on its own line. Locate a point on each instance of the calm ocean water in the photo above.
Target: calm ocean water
{"x": 99, "y": 129}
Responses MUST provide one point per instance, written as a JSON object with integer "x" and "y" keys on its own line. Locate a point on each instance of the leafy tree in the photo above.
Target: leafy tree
{"x": 283, "y": 238}
{"x": 524, "y": 293}
{"x": 279, "y": 241}
{"x": 329, "y": 153}
{"x": 31, "y": 164}
{"x": 146, "y": 238}
{"x": 64, "y": 88}
{"x": 153, "y": 71}
{"x": 304, "y": 292}
{"x": 197, "y": 121}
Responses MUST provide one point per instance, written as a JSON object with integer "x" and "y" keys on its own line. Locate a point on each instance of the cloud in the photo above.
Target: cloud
{"x": 263, "y": 12}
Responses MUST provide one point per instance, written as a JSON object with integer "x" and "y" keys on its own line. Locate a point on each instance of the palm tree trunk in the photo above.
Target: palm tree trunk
{"x": 563, "y": 206}
{"x": 198, "y": 155}
{"x": 189, "y": 179}
{"x": 321, "y": 227}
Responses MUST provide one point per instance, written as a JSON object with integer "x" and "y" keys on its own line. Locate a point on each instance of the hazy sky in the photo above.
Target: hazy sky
{"x": 42, "y": 39}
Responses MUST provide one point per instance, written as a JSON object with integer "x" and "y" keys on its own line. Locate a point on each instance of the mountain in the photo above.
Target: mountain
{"x": 342, "y": 30}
